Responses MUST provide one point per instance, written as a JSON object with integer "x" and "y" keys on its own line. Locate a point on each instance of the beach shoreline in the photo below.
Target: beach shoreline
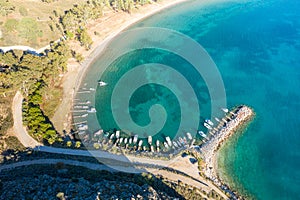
{"x": 62, "y": 117}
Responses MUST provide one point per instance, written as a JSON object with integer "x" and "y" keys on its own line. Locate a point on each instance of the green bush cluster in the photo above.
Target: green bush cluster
{"x": 6, "y": 7}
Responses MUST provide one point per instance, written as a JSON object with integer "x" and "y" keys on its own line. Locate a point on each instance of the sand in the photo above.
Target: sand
{"x": 111, "y": 24}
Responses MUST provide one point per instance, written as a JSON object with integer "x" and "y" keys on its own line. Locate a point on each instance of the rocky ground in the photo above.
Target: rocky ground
{"x": 47, "y": 187}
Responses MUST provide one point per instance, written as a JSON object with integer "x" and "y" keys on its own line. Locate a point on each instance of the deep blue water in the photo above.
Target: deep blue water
{"x": 256, "y": 47}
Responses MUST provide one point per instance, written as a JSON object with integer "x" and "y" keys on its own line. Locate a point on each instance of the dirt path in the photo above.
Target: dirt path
{"x": 18, "y": 128}
{"x": 93, "y": 166}
{"x": 177, "y": 163}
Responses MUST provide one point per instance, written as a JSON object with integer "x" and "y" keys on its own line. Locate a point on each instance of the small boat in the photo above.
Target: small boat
{"x": 185, "y": 140}
{"x": 98, "y": 133}
{"x": 207, "y": 125}
{"x": 102, "y": 83}
{"x": 121, "y": 140}
{"x": 217, "y": 119}
{"x": 181, "y": 141}
{"x": 157, "y": 143}
{"x": 140, "y": 143}
{"x": 125, "y": 140}
{"x": 84, "y": 115}
{"x": 130, "y": 140}
{"x": 92, "y": 110}
{"x": 135, "y": 139}
{"x": 202, "y": 134}
{"x": 83, "y": 127}
{"x": 209, "y": 122}
{"x": 166, "y": 145}
{"x": 92, "y": 89}
{"x": 152, "y": 148}
{"x": 112, "y": 136}
{"x": 117, "y": 134}
{"x": 175, "y": 144}
{"x": 225, "y": 110}
{"x": 169, "y": 141}
{"x": 150, "y": 140}
{"x": 189, "y": 136}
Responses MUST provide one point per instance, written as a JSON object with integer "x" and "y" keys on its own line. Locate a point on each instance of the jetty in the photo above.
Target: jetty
{"x": 227, "y": 126}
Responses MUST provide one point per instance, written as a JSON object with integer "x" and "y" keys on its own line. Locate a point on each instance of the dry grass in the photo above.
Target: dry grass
{"x": 37, "y": 11}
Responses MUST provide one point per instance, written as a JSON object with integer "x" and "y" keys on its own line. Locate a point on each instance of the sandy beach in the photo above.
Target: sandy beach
{"x": 108, "y": 26}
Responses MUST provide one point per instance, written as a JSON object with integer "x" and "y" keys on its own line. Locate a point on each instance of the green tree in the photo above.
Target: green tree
{"x": 84, "y": 38}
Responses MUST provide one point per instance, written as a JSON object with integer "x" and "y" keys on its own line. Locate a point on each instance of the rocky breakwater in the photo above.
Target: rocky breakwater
{"x": 228, "y": 125}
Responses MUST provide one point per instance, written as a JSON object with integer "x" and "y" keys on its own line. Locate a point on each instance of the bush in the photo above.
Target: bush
{"x": 11, "y": 25}
{"x": 23, "y": 11}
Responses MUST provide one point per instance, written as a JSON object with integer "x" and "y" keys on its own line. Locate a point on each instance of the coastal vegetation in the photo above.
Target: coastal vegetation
{"x": 37, "y": 76}
{"x": 39, "y": 125}
{"x": 28, "y": 70}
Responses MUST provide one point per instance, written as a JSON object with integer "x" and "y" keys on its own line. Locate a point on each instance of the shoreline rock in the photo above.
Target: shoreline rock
{"x": 238, "y": 117}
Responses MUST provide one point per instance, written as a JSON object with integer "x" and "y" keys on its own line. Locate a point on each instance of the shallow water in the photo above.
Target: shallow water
{"x": 256, "y": 47}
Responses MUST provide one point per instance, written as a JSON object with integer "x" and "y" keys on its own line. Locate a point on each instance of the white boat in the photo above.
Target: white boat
{"x": 140, "y": 143}
{"x": 169, "y": 141}
{"x": 84, "y": 115}
{"x": 82, "y": 127}
{"x": 217, "y": 119}
{"x": 117, "y": 141}
{"x": 209, "y": 122}
{"x": 181, "y": 140}
{"x": 92, "y": 110}
{"x": 185, "y": 140}
{"x": 175, "y": 144}
{"x": 117, "y": 134}
{"x": 157, "y": 143}
{"x": 98, "y": 133}
{"x": 207, "y": 125}
{"x": 202, "y": 134}
{"x": 166, "y": 145}
{"x": 150, "y": 140}
{"x": 135, "y": 139}
{"x": 112, "y": 136}
{"x": 152, "y": 148}
{"x": 125, "y": 140}
{"x": 189, "y": 136}
{"x": 130, "y": 140}
{"x": 121, "y": 140}
{"x": 92, "y": 89}
{"x": 225, "y": 110}
{"x": 102, "y": 83}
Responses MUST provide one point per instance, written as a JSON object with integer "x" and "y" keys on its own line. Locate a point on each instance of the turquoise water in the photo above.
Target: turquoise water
{"x": 256, "y": 46}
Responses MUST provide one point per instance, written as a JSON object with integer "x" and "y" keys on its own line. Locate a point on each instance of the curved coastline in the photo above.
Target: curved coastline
{"x": 98, "y": 49}
{"x": 63, "y": 116}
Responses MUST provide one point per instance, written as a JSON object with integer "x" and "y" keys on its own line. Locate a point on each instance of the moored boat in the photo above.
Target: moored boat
{"x": 207, "y": 125}
{"x": 209, "y": 122}
{"x": 150, "y": 140}
{"x": 102, "y": 83}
